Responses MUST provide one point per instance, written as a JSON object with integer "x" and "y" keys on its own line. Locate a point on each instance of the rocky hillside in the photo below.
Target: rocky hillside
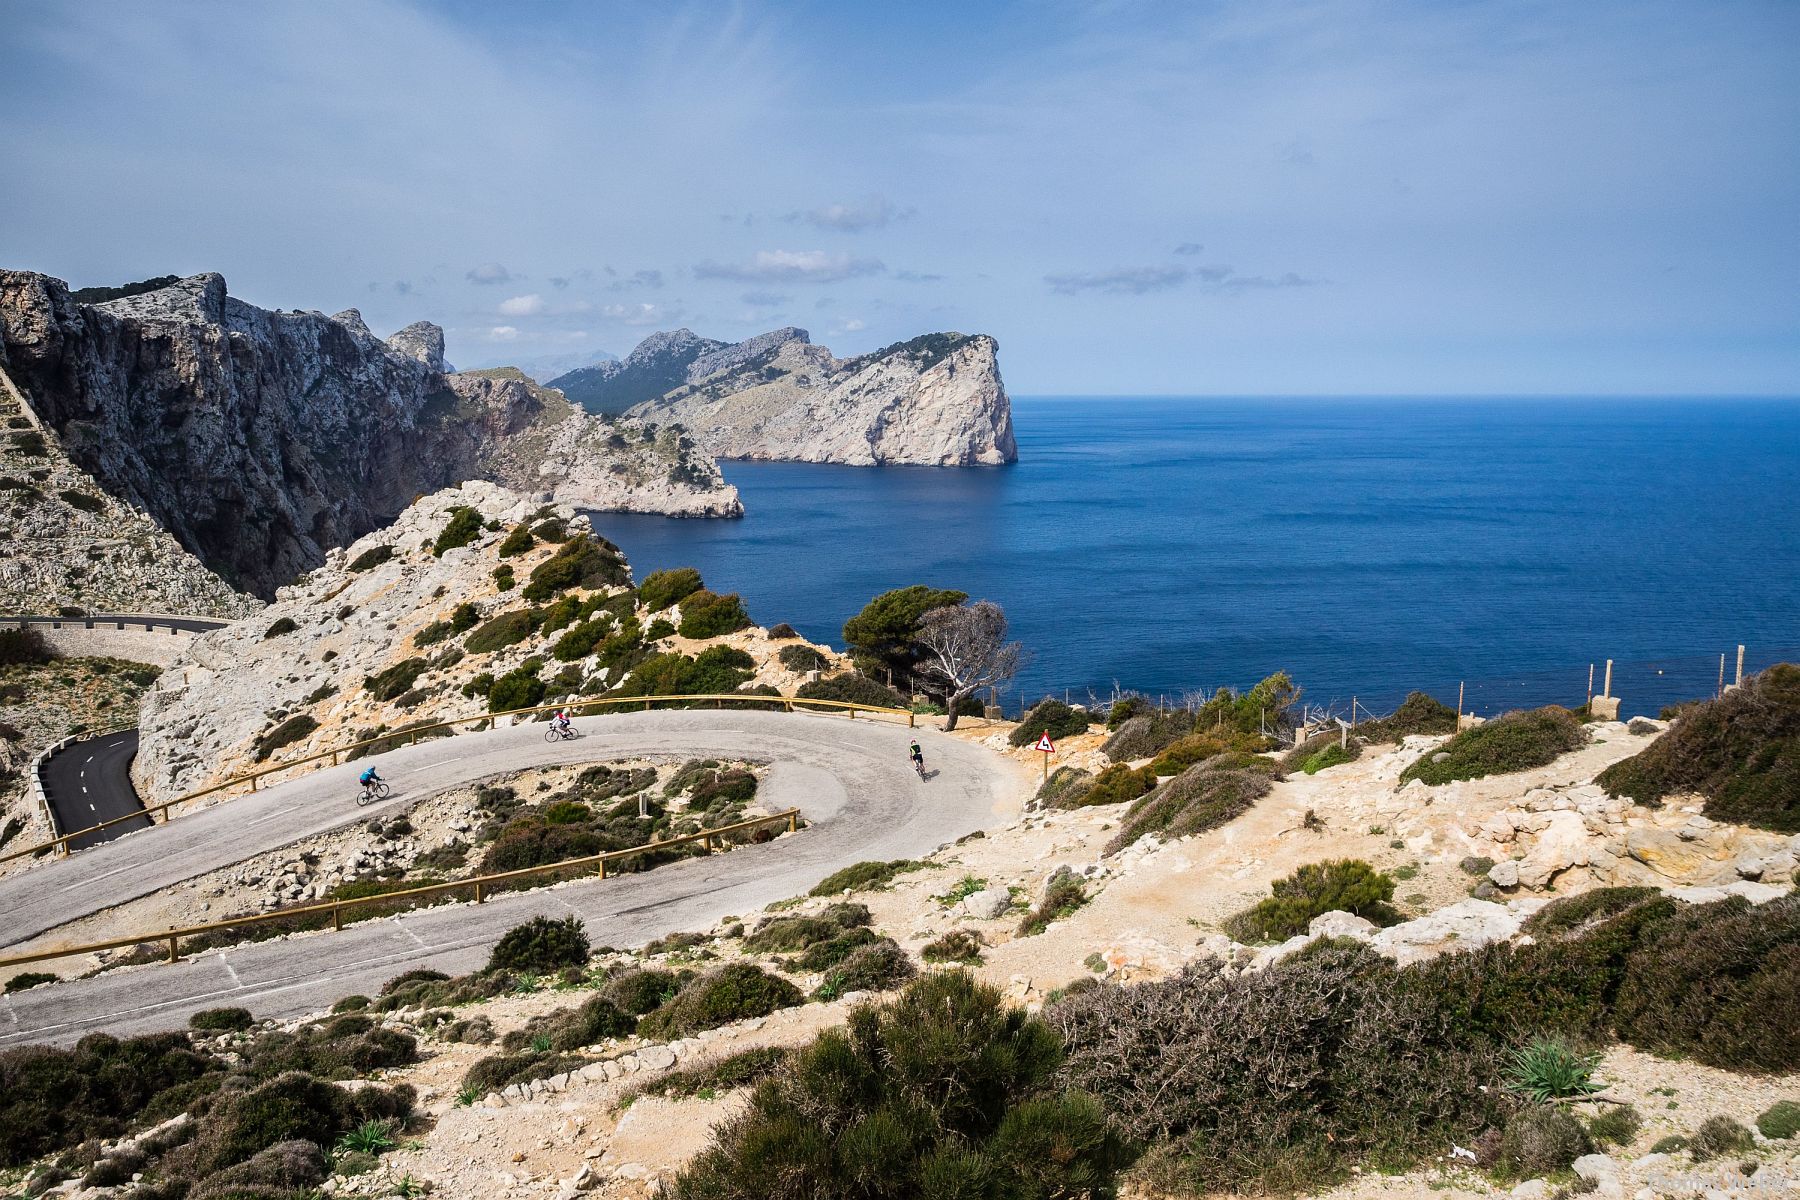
{"x": 70, "y": 544}
{"x": 477, "y": 597}
{"x": 262, "y": 439}
{"x": 936, "y": 400}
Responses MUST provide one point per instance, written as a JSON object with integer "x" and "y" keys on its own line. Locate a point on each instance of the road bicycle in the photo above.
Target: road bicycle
{"x": 371, "y": 792}
{"x": 919, "y": 766}
{"x": 559, "y": 733}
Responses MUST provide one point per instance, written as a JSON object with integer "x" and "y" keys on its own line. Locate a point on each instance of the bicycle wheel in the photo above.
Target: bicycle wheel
{"x": 550, "y": 734}
{"x": 363, "y": 797}
{"x": 383, "y": 791}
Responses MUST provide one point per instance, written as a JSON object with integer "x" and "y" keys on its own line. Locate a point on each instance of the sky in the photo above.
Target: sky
{"x": 1450, "y": 197}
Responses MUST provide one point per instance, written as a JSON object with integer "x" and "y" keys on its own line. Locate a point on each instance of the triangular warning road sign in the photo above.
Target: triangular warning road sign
{"x": 1045, "y": 744}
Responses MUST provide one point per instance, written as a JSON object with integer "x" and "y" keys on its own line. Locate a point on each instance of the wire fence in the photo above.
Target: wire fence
{"x": 1644, "y": 687}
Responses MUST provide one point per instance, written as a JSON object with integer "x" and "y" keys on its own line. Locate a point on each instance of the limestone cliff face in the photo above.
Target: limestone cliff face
{"x": 261, "y": 439}
{"x": 936, "y": 400}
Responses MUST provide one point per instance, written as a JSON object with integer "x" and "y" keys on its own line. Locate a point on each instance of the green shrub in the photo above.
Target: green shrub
{"x": 1741, "y": 751}
{"x": 350, "y": 1004}
{"x": 1541, "y": 1139}
{"x": 26, "y": 980}
{"x": 943, "y": 1092}
{"x": 53, "y": 1098}
{"x": 876, "y": 966}
{"x": 663, "y": 588}
{"x": 1570, "y": 913}
{"x": 735, "y": 1071}
{"x": 1717, "y": 982}
{"x": 374, "y": 556}
{"x": 1115, "y": 785}
{"x": 659, "y": 629}
{"x": 1672, "y": 1144}
{"x": 782, "y": 935}
{"x": 517, "y": 542}
{"x": 705, "y": 615}
{"x": 802, "y": 658}
{"x": 734, "y": 992}
{"x": 1548, "y": 1068}
{"x": 581, "y": 562}
{"x": 642, "y": 990}
{"x": 1514, "y": 741}
{"x": 555, "y": 530}
{"x": 504, "y": 579}
{"x": 498, "y": 1071}
{"x": 1200, "y": 798}
{"x": 541, "y": 945}
{"x": 1147, "y": 735}
{"x": 24, "y": 646}
{"x": 1342, "y": 885}
{"x": 1185, "y": 751}
{"x": 596, "y": 1019}
{"x": 957, "y": 946}
{"x": 1417, "y": 714}
{"x": 851, "y": 688}
{"x": 864, "y": 876}
{"x": 1062, "y": 897}
{"x": 222, "y": 1018}
{"x": 507, "y": 629}
{"x": 580, "y": 641}
{"x": 1780, "y": 1120}
{"x": 395, "y": 681}
{"x": 432, "y": 634}
{"x": 1052, "y": 716}
{"x": 1331, "y": 755}
{"x": 518, "y": 688}
{"x": 295, "y": 728}
{"x": 1617, "y": 1126}
{"x": 281, "y": 626}
{"x": 343, "y": 1047}
{"x": 1064, "y": 788}
{"x": 463, "y": 527}
{"x": 286, "y": 1168}
{"x": 1719, "y": 1136}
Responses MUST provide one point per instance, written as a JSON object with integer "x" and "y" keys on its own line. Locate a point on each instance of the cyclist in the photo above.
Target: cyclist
{"x": 559, "y": 721}
{"x": 369, "y": 778}
{"x": 918, "y": 758}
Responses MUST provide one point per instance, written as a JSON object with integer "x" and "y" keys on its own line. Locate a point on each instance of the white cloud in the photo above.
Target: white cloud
{"x": 791, "y": 266}
{"x": 522, "y": 306}
{"x": 871, "y": 212}
{"x": 502, "y": 333}
{"x": 854, "y": 325}
{"x": 489, "y": 273}
{"x": 638, "y": 314}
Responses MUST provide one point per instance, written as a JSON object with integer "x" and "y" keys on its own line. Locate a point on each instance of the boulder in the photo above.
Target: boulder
{"x": 1464, "y": 925}
{"x": 1671, "y": 854}
{"x": 1341, "y": 924}
{"x": 1504, "y": 874}
{"x": 988, "y": 904}
{"x": 1596, "y": 1167}
{"x": 1564, "y": 843}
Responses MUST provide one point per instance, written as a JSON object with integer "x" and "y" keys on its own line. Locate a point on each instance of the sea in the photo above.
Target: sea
{"x": 1503, "y": 549}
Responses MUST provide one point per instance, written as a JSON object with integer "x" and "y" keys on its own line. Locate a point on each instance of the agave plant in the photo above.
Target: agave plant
{"x": 371, "y": 1137}
{"x": 1550, "y": 1069}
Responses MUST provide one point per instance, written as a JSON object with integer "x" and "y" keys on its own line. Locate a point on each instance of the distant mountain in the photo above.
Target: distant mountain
{"x": 935, "y": 400}
{"x": 544, "y": 367}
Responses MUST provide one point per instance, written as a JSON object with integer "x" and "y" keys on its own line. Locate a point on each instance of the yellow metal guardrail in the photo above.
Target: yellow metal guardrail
{"x": 412, "y": 734}
{"x": 336, "y": 908}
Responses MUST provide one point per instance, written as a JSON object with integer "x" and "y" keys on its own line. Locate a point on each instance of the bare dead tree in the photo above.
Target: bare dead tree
{"x": 963, "y": 648}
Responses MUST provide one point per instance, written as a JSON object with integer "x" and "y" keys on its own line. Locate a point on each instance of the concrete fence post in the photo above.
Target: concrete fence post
{"x": 1740, "y": 667}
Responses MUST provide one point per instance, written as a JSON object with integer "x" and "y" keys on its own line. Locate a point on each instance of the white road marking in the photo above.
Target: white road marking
{"x": 84, "y": 789}
{"x": 90, "y": 758}
{"x": 235, "y": 981}
{"x": 97, "y": 878}
{"x": 271, "y": 816}
{"x": 84, "y": 772}
{"x": 91, "y": 808}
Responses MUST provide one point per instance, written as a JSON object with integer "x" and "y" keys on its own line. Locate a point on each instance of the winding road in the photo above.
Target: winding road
{"x": 89, "y": 782}
{"x": 850, "y": 779}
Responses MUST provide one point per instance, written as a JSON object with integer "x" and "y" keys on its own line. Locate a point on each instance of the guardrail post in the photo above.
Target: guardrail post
{"x": 253, "y": 780}
{"x": 852, "y": 713}
{"x": 793, "y": 822}
{"x": 337, "y": 918}
{"x": 63, "y": 846}
{"x": 174, "y": 954}
{"x": 709, "y": 843}
{"x": 478, "y": 895}
{"x": 911, "y": 717}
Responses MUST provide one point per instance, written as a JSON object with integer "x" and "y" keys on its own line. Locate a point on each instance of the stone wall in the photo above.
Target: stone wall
{"x": 135, "y": 639}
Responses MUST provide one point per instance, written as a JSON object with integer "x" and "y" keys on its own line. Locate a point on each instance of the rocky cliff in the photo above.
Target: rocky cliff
{"x": 69, "y": 544}
{"x": 261, "y": 439}
{"x": 936, "y": 400}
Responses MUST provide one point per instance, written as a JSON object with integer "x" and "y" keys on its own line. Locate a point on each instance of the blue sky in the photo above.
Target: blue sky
{"x": 1265, "y": 197}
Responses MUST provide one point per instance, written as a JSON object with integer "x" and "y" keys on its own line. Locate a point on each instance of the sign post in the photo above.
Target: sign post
{"x": 1047, "y": 748}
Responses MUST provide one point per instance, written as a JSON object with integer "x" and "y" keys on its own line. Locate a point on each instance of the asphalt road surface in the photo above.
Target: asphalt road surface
{"x": 850, "y": 779}
{"x": 90, "y": 782}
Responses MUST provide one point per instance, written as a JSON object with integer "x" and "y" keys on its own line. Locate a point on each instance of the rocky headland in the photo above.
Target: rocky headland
{"x": 261, "y": 439}
{"x": 936, "y": 400}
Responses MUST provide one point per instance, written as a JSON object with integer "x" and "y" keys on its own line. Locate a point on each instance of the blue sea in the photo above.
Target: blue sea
{"x": 1367, "y": 546}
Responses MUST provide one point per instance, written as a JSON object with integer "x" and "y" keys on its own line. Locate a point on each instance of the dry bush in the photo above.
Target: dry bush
{"x": 1200, "y": 798}
{"x": 1514, "y": 741}
{"x": 1741, "y": 751}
